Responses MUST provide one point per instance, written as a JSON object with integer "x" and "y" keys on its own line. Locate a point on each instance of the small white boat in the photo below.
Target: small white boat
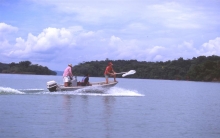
{"x": 52, "y": 86}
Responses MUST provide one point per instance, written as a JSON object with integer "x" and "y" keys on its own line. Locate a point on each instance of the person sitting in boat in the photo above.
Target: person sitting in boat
{"x": 85, "y": 80}
{"x": 109, "y": 71}
{"x": 67, "y": 75}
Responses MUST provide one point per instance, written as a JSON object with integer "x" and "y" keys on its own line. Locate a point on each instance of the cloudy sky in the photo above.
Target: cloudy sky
{"x": 54, "y": 33}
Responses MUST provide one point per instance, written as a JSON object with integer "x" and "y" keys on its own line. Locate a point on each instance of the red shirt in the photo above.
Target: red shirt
{"x": 108, "y": 69}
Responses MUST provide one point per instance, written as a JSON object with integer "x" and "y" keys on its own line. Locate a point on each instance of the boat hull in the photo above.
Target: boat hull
{"x": 95, "y": 86}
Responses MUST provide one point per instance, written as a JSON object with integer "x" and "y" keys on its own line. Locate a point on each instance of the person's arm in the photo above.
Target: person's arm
{"x": 113, "y": 71}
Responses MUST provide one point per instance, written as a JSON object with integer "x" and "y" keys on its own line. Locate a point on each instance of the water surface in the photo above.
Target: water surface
{"x": 133, "y": 108}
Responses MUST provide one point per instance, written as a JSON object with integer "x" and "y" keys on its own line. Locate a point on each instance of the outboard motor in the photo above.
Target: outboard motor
{"x": 52, "y": 86}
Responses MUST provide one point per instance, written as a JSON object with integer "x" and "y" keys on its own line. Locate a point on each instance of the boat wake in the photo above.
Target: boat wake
{"x": 7, "y": 90}
{"x": 114, "y": 91}
{"x": 31, "y": 90}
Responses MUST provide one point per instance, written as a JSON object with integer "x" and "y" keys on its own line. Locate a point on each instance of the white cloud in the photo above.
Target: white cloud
{"x": 5, "y": 31}
{"x": 20, "y": 43}
{"x": 211, "y": 48}
{"x": 76, "y": 44}
{"x": 5, "y": 28}
{"x": 114, "y": 41}
{"x": 158, "y": 58}
{"x": 156, "y": 49}
{"x": 4, "y": 44}
{"x": 49, "y": 40}
{"x": 55, "y": 42}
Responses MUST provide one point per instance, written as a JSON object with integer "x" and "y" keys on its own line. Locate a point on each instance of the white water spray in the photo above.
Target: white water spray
{"x": 7, "y": 90}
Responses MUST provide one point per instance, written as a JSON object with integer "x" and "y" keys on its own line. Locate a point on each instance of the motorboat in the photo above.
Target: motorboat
{"x": 52, "y": 86}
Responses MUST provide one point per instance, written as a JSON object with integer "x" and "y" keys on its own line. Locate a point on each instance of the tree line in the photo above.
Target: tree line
{"x": 25, "y": 67}
{"x": 200, "y": 68}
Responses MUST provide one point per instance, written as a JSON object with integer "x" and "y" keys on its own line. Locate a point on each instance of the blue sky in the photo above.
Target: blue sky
{"x": 54, "y": 33}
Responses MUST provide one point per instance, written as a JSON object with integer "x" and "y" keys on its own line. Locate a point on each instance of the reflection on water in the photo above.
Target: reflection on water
{"x": 108, "y": 111}
{"x": 82, "y": 112}
{"x": 67, "y": 108}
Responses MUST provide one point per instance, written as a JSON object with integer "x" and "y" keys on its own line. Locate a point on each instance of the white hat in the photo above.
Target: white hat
{"x": 70, "y": 65}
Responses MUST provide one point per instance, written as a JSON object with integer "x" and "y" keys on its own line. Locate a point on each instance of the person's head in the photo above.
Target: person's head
{"x": 110, "y": 64}
{"x": 86, "y": 74}
{"x": 70, "y": 65}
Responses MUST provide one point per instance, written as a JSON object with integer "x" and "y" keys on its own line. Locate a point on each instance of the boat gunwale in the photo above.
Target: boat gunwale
{"x": 94, "y": 84}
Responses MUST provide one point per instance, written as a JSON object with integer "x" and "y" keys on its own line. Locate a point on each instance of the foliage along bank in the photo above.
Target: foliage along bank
{"x": 200, "y": 68}
{"x": 25, "y": 67}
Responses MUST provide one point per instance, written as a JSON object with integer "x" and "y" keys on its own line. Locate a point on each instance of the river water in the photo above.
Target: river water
{"x": 134, "y": 108}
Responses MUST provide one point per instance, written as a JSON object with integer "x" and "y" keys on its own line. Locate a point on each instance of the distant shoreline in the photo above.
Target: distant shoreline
{"x": 59, "y": 73}
{"x": 28, "y": 74}
{"x": 213, "y": 81}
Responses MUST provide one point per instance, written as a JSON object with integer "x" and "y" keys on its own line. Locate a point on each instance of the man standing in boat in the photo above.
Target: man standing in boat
{"x": 109, "y": 71}
{"x": 67, "y": 75}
